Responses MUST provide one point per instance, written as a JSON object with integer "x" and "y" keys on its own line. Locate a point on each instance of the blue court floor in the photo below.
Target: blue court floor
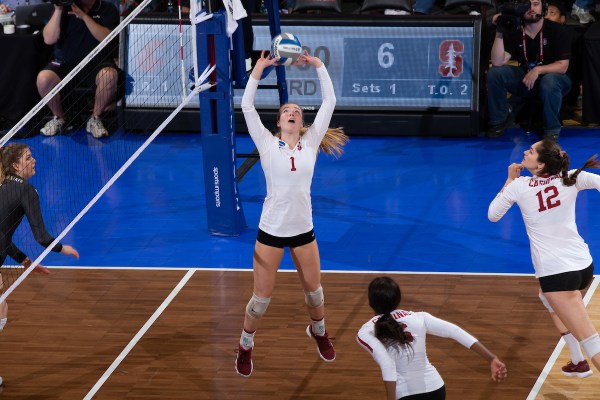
{"x": 388, "y": 204}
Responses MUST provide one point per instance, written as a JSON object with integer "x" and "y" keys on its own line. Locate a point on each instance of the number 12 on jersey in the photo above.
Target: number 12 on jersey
{"x": 549, "y": 201}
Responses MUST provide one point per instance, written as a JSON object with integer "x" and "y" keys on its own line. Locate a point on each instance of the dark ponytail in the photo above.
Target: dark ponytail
{"x": 384, "y": 298}
{"x": 556, "y": 162}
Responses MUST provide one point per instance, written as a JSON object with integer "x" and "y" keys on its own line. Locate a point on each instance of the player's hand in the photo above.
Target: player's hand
{"x": 69, "y": 251}
{"x": 40, "y": 269}
{"x": 514, "y": 170}
{"x": 266, "y": 60}
{"x": 306, "y": 58}
{"x": 499, "y": 371}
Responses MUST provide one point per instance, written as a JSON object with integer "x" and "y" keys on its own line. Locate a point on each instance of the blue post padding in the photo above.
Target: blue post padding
{"x": 240, "y": 77}
{"x": 225, "y": 215}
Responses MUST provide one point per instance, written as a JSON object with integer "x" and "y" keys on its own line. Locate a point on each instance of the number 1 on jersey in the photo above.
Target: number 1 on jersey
{"x": 293, "y": 165}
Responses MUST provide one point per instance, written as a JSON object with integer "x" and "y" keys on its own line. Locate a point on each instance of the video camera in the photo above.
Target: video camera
{"x": 511, "y": 15}
{"x": 62, "y": 3}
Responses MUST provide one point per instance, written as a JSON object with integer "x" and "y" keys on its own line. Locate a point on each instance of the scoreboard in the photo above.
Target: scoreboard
{"x": 400, "y": 76}
{"x": 382, "y": 68}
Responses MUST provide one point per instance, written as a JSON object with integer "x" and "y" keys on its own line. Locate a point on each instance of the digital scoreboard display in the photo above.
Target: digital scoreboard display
{"x": 413, "y": 66}
{"x": 400, "y": 67}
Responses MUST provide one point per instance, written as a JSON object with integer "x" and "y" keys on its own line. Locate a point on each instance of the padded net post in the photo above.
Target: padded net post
{"x": 225, "y": 215}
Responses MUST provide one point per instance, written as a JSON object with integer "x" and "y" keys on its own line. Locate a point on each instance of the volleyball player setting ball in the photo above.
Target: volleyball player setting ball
{"x": 288, "y": 159}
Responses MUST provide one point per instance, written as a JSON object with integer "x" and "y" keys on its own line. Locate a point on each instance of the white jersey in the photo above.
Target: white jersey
{"x": 548, "y": 209}
{"x": 287, "y": 210}
{"x": 411, "y": 369}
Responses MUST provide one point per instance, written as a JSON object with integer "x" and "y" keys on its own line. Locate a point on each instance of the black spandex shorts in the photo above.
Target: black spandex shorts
{"x": 568, "y": 281}
{"x": 439, "y": 394}
{"x": 281, "y": 242}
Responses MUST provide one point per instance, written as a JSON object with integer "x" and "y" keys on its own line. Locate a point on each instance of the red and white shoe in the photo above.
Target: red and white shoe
{"x": 580, "y": 370}
{"x": 324, "y": 346}
{"x": 243, "y": 362}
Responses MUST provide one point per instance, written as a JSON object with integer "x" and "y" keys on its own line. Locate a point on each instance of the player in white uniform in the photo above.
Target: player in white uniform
{"x": 288, "y": 159}
{"x": 397, "y": 341}
{"x": 562, "y": 260}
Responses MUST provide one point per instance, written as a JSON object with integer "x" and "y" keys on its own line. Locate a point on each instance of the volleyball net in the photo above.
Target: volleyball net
{"x": 75, "y": 165}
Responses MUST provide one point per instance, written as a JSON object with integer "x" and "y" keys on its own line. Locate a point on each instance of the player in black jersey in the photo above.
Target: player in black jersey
{"x": 18, "y": 198}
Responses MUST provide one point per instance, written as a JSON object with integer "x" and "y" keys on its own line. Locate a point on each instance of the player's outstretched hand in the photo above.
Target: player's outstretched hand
{"x": 265, "y": 61}
{"x": 499, "y": 371}
{"x": 39, "y": 269}
{"x": 306, "y": 58}
{"x": 69, "y": 251}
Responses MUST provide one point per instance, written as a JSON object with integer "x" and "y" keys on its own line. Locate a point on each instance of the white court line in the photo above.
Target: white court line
{"x": 249, "y": 269}
{"x": 561, "y": 343}
{"x": 139, "y": 335}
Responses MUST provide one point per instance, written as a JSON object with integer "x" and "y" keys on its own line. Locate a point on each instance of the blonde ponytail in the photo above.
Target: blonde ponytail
{"x": 333, "y": 141}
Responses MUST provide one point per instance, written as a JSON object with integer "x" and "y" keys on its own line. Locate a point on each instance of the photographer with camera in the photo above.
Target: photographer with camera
{"x": 75, "y": 29}
{"x": 542, "y": 50}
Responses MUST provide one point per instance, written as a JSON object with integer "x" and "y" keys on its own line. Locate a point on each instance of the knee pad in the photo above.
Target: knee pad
{"x": 591, "y": 345}
{"x": 545, "y": 302}
{"x": 314, "y": 299}
{"x": 257, "y": 306}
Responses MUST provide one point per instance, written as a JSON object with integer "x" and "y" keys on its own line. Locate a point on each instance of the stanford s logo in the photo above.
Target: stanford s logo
{"x": 452, "y": 61}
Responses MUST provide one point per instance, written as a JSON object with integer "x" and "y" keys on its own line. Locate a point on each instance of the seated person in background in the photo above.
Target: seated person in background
{"x": 420, "y": 7}
{"x": 542, "y": 49}
{"x": 581, "y": 11}
{"x": 75, "y": 31}
{"x": 10, "y": 5}
{"x": 424, "y": 7}
{"x": 557, "y": 13}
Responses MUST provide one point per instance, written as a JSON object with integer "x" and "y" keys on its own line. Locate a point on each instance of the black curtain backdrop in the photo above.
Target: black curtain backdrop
{"x": 591, "y": 75}
{"x": 23, "y": 56}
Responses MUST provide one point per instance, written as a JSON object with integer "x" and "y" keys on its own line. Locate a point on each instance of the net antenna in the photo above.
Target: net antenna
{"x": 89, "y": 164}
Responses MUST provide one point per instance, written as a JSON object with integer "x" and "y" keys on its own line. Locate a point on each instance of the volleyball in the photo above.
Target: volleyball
{"x": 287, "y": 47}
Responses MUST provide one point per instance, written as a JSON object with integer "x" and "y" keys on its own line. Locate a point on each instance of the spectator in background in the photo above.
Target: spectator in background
{"x": 557, "y": 13}
{"x": 75, "y": 31}
{"x": 420, "y": 7}
{"x": 542, "y": 49}
{"x": 424, "y": 7}
{"x": 581, "y": 11}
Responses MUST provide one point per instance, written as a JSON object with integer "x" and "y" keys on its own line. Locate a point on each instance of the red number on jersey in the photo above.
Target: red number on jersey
{"x": 293, "y": 165}
{"x": 550, "y": 203}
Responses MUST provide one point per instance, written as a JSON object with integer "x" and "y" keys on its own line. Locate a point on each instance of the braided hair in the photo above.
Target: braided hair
{"x": 556, "y": 161}
{"x": 384, "y": 298}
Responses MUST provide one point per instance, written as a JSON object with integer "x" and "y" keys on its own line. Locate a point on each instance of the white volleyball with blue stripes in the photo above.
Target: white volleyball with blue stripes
{"x": 287, "y": 47}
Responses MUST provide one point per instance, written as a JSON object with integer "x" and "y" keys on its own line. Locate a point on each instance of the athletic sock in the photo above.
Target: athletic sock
{"x": 318, "y": 327}
{"x": 574, "y": 348}
{"x": 247, "y": 339}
